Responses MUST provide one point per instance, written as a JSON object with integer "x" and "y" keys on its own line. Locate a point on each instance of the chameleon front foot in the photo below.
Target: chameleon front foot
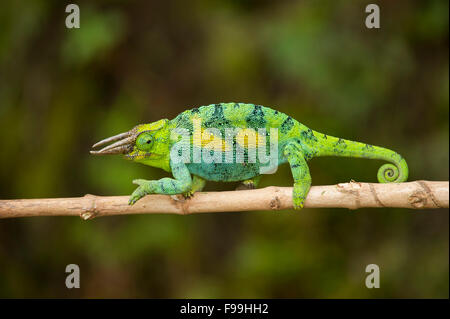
{"x": 143, "y": 189}
{"x": 197, "y": 185}
{"x": 188, "y": 194}
{"x": 182, "y": 197}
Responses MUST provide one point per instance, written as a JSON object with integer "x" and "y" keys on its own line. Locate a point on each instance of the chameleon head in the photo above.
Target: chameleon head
{"x": 136, "y": 144}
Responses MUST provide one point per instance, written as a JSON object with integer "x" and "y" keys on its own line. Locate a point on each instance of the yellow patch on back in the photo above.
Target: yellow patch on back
{"x": 247, "y": 138}
{"x": 211, "y": 138}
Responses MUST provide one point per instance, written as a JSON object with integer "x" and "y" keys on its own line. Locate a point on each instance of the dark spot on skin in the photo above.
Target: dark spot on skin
{"x": 394, "y": 155}
{"x": 257, "y": 111}
{"x": 308, "y": 156}
{"x": 162, "y": 187}
{"x": 218, "y": 119}
{"x": 195, "y": 110}
{"x": 325, "y": 136}
{"x": 295, "y": 165}
{"x": 341, "y": 143}
{"x": 287, "y": 125}
{"x": 308, "y": 135}
{"x": 257, "y": 118}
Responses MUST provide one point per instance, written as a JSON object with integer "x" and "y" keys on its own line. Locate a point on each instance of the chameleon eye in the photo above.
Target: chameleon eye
{"x": 144, "y": 142}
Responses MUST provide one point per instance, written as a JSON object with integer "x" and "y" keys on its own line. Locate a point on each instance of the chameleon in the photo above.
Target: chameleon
{"x": 156, "y": 145}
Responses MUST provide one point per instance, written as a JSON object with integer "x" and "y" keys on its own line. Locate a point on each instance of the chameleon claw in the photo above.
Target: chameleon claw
{"x": 182, "y": 197}
{"x": 137, "y": 195}
{"x": 245, "y": 186}
{"x": 298, "y": 203}
{"x": 178, "y": 198}
{"x": 132, "y": 200}
{"x": 188, "y": 195}
{"x": 141, "y": 191}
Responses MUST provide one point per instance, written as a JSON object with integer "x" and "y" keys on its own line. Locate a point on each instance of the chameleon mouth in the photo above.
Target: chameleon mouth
{"x": 124, "y": 144}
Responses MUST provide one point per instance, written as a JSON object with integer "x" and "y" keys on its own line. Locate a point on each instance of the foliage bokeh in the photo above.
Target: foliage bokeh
{"x": 132, "y": 62}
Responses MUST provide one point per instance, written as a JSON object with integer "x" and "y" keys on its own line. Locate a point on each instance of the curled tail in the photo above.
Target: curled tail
{"x": 389, "y": 173}
{"x": 394, "y": 172}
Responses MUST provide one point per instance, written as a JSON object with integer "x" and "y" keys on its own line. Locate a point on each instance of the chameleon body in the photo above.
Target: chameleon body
{"x": 153, "y": 144}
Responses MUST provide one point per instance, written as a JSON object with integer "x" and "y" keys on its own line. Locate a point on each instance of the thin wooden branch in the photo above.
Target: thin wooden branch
{"x": 353, "y": 195}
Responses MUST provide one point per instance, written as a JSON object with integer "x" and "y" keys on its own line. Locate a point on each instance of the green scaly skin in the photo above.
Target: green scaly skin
{"x": 297, "y": 144}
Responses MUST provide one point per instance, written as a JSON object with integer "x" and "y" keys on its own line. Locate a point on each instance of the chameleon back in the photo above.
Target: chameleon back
{"x": 235, "y": 128}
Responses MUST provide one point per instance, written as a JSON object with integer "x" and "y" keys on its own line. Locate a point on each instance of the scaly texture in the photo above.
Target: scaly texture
{"x": 208, "y": 133}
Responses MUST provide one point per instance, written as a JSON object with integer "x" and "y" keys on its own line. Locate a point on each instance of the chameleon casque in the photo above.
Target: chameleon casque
{"x": 151, "y": 144}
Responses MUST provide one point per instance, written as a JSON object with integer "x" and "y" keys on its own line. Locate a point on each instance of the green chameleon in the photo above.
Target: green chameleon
{"x": 153, "y": 144}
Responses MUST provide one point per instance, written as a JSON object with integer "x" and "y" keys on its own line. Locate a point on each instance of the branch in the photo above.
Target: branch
{"x": 353, "y": 195}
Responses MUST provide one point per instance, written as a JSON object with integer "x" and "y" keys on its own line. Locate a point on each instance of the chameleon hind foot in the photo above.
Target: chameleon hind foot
{"x": 300, "y": 172}
{"x": 298, "y": 202}
{"x": 299, "y": 194}
{"x": 248, "y": 184}
{"x": 245, "y": 186}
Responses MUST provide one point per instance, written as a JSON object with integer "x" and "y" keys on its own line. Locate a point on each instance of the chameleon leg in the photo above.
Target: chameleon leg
{"x": 197, "y": 185}
{"x": 249, "y": 183}
{"x": 300, "y": 172}
{"x": 166, "y": 186}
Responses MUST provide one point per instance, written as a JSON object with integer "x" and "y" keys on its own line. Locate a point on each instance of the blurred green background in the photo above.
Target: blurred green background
{"x": 134, "y": 62}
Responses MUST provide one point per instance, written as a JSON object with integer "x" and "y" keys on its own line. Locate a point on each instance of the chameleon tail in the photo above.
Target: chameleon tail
{"x": 394, "y": 172}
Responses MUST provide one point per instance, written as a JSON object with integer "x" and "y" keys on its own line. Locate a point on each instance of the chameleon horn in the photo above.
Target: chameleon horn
{"x": 112, "y": 139}
{"x": 124, "y": 149}
{"x": 123, "y": 144}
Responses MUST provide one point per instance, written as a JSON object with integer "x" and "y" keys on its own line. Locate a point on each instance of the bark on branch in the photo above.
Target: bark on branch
{"x": 353, "y": 195}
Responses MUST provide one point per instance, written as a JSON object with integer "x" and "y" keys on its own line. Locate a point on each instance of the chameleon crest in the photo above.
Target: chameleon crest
{"x": 231, "y": 142}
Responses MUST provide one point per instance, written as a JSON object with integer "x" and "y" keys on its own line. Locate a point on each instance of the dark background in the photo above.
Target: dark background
{"x": 134, "y": 62}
